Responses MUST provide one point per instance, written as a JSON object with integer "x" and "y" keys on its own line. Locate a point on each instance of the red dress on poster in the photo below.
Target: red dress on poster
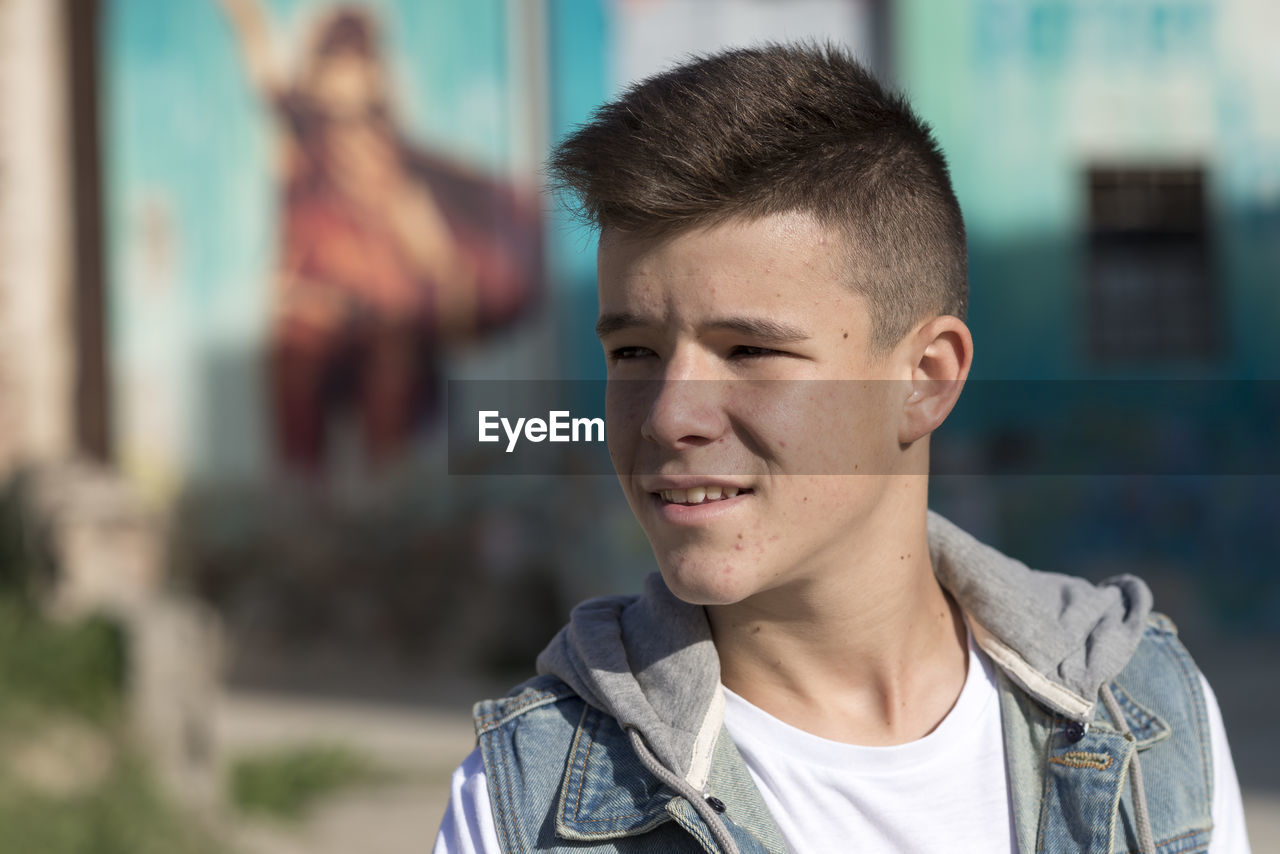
{"x": 389, "y": 253}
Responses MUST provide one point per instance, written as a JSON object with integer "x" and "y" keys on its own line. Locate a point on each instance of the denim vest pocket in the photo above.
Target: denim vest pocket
{"x": 1070, "y": 785}
{"x": 1082, "y": 789}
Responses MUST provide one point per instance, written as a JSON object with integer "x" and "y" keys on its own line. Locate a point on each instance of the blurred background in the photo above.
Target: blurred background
{"x": 245, "y": 246}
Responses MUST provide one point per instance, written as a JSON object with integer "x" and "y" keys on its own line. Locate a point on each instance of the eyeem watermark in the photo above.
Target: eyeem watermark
{"x": 558, "y": 426}
{"x": 999, "y": 427}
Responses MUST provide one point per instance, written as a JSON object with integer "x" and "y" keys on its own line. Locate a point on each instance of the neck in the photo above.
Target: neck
{"x": 872, "y": 651}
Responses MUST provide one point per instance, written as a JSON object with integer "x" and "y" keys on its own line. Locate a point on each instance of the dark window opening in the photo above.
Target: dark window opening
{"x": 1151, "y": 292}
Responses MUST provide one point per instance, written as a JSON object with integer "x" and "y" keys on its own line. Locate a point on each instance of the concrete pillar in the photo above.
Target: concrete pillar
{"x": 36, "y": 237}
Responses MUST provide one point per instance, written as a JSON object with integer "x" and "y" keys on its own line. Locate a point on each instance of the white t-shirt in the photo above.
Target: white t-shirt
{"x": 945, "y": 792}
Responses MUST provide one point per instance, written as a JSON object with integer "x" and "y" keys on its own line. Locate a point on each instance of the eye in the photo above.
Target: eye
{"x": 744, "y": 351}
{"x": 623, "y": 354}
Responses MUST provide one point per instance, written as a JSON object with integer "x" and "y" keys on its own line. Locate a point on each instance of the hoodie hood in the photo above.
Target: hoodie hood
{"x": 1059, "y": 637}
{"x": 649, "y": 661}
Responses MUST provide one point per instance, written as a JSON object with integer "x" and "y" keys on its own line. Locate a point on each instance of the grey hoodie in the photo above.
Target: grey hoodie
{"x": 650, "y": 663}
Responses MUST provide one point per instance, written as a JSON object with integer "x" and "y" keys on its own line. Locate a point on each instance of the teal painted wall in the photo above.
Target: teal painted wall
{"x": 1025, "y": 94}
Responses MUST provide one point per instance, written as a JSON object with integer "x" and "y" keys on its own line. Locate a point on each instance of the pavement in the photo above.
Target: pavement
{"x": 420, "y": 745}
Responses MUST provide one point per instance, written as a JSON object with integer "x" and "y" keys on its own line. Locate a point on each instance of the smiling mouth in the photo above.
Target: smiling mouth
{"x": 701, "y": 494}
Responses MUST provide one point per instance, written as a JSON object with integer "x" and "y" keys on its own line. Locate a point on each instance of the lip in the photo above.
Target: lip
{"x": 696, "y": 514}
{"x": 686, "y": 481}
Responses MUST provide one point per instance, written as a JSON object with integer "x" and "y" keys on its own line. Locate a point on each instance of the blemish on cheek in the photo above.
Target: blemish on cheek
{"x": 739, "y": 535}
{"x": 782, "y": 443}
{"x": 846, "y": 335}
{"x": 737, "y": 547}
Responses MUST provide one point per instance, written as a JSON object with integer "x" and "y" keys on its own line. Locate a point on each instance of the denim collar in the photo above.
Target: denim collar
{"x": 607, "y": 794}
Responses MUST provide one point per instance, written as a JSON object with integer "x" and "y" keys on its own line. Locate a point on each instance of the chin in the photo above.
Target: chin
{"x": 706, "y": 582}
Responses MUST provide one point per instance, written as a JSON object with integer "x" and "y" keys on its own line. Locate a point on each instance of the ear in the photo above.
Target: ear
{"x": 940, "y": 352}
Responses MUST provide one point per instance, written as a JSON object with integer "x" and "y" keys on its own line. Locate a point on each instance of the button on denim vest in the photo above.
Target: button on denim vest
{"x": 562, "y": 775}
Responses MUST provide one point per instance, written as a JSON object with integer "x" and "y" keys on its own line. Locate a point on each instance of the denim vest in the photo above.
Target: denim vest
{"x": 562, "y": 774}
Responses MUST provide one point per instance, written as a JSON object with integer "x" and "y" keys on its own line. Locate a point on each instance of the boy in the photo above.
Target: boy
{"x": 823, "y": 665}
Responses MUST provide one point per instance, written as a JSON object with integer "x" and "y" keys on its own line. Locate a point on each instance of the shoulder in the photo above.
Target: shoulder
{"x": 539, "y": 718}
{"x": 525, "y": 739}
{"x": 539, "y": 697}
{"x": 1161, "y": 688}
{"x": 543, "y": 736}
{"x": 1162, "y": 695}
{"x": 562, "y": 774}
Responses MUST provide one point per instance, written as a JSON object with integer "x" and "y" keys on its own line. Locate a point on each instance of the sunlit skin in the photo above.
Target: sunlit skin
{"x": 758, "y": 375}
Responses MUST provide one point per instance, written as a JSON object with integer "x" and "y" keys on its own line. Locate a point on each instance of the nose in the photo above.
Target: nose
{"x": 685, "y": 409}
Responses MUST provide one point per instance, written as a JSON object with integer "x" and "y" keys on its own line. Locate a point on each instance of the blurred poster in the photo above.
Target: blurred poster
{"x": 313, "y": 203}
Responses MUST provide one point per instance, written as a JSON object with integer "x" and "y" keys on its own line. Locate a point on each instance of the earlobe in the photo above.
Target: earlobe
{"x": 942, "y": 351}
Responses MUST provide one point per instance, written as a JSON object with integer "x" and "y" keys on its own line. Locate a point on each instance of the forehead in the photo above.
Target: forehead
{"x": 778, "y": 262}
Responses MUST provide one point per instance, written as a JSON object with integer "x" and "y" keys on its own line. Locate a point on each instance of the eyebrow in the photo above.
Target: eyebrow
{"x": 759, "y": 328}
{"x": 617, "y": 321}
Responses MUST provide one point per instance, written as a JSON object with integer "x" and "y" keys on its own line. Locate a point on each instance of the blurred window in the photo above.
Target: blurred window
{"x": 1151, "y": 292}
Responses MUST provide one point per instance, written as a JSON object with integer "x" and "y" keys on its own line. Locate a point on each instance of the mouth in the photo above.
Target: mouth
{"x": 700, "y": 494}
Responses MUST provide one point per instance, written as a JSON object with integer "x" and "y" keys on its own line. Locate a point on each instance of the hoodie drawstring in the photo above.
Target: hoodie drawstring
{"x": 1142, "y": 818}
{"x": 692, "y": 795}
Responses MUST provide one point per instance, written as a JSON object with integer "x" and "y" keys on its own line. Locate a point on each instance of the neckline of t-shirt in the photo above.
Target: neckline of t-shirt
{"x": 768, "y": 734}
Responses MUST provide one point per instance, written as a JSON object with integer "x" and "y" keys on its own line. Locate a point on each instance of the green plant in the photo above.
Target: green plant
{"x": 124, "y": 814}
{"x": 285, "y": 782}
{"x": 77, "y": 667}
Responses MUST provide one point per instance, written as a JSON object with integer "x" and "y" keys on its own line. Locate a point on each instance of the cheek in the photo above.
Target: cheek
{"x": 623, "y": 416}
{"x": 818, "y": 427}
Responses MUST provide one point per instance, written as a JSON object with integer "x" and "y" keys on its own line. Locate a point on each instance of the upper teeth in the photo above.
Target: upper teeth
{"x": 698, "y": 494}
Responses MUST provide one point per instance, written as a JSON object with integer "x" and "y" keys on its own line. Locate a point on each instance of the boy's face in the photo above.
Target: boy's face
{"x": 738, "y": 360}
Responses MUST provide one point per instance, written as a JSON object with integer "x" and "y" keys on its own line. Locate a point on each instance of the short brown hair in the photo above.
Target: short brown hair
{"x": 781, "y": 128}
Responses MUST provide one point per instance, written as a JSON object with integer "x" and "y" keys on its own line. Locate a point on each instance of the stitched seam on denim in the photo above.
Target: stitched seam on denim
{"x": 586, "y": 757}
{"x": 1145, "y": 720}
{"x": 1123, "y": 775}
{"x": 572, "y": 767}
{"x": 1188, "y": 835}
{"x": 1044, "y": 794}
{"x": 503, "y": 711}
{"x": 499, "y": 804}
{"x": 696, "y": 829}
{"x": 1180, "y": 836}
{"x": 1162, "y": 624}
{"x": 506, "y": 821}
{"x": 508, "y": 712}
{"x": 582, "y": 782}
{"x": 1172, "y": 839}
{"x": 1151, "y": 727}
{"x": 1192, "y": 683}
{"x": 1080, "y": 759}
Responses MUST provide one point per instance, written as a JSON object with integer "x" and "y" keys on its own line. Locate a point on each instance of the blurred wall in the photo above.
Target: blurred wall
{"x": 1118, "y": 164}
{"x": 1057, "y": 118}
{"x": 37, "y": 239}
{"x": 1028, "y": 97}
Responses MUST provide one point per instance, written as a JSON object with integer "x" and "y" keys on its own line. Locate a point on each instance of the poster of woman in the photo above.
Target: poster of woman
{"x": 393, "y": 228}
{"x": 388, "y": 251}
